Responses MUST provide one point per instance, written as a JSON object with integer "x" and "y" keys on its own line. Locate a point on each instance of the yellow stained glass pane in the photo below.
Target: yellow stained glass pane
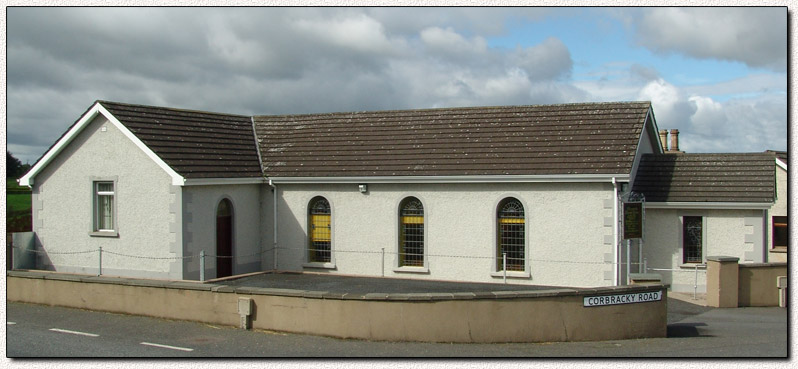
{"x": 321, "y": 228}
{"x": 412, "y": 220}
{"x": 511, "y": 220}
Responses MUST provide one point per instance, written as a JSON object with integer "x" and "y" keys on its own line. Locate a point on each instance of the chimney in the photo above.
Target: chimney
{"x": 674, "y": 141}
{"x": 663, "y": 139}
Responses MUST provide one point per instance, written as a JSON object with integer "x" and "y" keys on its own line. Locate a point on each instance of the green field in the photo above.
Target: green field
{"x": 17, "y": 197}
{"x": 18, "y": 207}
{"x": 17, "y": 202}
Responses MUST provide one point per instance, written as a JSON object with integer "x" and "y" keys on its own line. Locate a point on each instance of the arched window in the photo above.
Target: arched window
{"x": 411, "y": 232}
{"x": 511, "y": 235}
{"x": 319, "y": 250}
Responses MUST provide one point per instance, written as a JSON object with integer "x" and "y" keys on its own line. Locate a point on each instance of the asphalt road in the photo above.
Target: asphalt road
{"x": 37, "y": 331}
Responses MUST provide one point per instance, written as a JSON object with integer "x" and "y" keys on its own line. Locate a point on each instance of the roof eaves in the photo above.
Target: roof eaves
{"x": 455, "y": 179}
{"x": 708, "y": 205}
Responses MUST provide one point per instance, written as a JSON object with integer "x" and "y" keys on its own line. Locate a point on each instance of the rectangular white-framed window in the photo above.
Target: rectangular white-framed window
{"x": 104, "y": 222}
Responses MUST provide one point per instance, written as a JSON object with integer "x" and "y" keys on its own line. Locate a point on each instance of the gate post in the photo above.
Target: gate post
{"x": 202, "y": 265}
{"x": 722, "y": 281}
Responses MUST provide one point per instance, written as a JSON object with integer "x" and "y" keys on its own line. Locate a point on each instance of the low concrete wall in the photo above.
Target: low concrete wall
{"x": 757, "y": 284}
{"x": 517, "y": 316}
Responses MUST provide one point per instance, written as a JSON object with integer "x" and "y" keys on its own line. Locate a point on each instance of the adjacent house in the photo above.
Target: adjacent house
{"x": 700, "y": 205}
{"x": 527, "y": 194}
{"x": 777, "y": 222}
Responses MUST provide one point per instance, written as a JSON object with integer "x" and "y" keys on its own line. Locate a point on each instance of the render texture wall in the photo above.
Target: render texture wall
{"x": 779, "y": 209}
{"x": 569, "y": 230}
{"x": 147, "y": 208}
{"x": 737, "y": 233}
{"x": 199, "y": 227}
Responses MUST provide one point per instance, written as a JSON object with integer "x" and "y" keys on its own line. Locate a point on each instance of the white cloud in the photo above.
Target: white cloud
{"x": 672, "y": 108}
{"x": 550, "y": 59}
{"x": 448, "y": 41}
{"x": 739, "y": 125}
{"x": 706, "y": 125}
{"x": 358, "y": 32}
{"x": 754, "y": 36}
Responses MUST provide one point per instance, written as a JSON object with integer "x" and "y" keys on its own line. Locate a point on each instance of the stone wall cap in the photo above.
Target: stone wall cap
{"x": 723, "y": 259}
{"x": 251, "y": 290}
{"x": 762, "y": 265}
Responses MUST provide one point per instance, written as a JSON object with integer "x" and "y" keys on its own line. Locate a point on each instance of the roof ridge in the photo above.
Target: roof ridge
{"x": 461, "y": 108}
{"x": 676, "y": 154}
{"x": 170, "y": 108}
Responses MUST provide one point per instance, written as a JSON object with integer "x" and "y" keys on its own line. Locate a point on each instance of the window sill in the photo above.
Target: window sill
{"x": 691, "y": 266}
{"x": 319, "y": 265}
{"x": 500, "y": 274}
{"x": 779, "y": 249}
{"x": 104, "y": 234}
{"x": 410, "y": 269}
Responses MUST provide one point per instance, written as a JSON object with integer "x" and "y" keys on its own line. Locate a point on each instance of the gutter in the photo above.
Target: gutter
{"x": 455, "y": 179}
{"x": 709, "y": 205}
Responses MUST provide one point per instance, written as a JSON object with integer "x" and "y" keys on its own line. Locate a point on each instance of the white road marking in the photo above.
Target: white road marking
{"x": 74, "y": 332}
{"x": 10, "y": 323}
{"x": 167, "y": 346}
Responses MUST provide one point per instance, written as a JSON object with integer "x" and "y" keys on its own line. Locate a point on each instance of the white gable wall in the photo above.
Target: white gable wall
{"x": 147, "y": 208}
{"x": 569, "y": 230}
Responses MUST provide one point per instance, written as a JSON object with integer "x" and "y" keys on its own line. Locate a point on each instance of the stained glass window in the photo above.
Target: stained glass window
{"x": 411, "y": 239}
{"x": 320, "y": 231}
{"x": 692, "y": 239}
{"x": 512, "y": 235}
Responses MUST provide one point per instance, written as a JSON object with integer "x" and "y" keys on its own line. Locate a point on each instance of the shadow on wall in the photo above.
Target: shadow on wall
{"x": 292, "y": 237}
{"x": 24, "y": 255}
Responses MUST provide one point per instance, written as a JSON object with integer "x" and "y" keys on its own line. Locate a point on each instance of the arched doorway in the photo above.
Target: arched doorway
{"x": 224, "y": 239}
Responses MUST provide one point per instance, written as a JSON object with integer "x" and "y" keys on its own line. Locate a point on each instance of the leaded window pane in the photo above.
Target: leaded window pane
{"x": 411, "y": 248}
{"x": 692, "y": 239}
{"x": 511, "y": 236}
{"x": 320, "y": 231}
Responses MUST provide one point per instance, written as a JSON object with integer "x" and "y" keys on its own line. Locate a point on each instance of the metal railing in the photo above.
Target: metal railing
{"x": 695, "y": 271}
{"x": 203, "y": 256}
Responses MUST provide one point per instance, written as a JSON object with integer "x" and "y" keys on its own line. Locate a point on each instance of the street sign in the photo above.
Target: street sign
{"x": 627, "y": 298}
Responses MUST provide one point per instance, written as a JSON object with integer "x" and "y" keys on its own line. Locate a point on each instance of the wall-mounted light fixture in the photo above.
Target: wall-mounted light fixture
{"x": 363, "y": 188}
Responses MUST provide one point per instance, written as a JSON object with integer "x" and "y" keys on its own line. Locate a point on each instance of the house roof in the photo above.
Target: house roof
{"x": 781, "y": 155}
{"x": 589, "y": 138}
{"x": 194, "y": 144}
{"x": 734, "y": 178}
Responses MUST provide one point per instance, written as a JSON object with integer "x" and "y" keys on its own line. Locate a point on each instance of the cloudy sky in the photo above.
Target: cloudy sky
{"x": 717, "y": 74}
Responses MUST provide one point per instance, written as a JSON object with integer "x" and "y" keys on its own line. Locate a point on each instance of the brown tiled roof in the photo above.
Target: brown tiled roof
{"x": 782, "y": 155}
{"x": 748, "y": 177}
{"x": 194, "y": 144}
{"x": 594, "y": 138}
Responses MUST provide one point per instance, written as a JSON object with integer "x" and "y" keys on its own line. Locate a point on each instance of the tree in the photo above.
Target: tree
{"x": 13, "y": 166}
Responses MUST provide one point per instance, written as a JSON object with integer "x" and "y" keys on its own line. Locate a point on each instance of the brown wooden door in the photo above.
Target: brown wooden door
{"x": 224, "y": 239}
